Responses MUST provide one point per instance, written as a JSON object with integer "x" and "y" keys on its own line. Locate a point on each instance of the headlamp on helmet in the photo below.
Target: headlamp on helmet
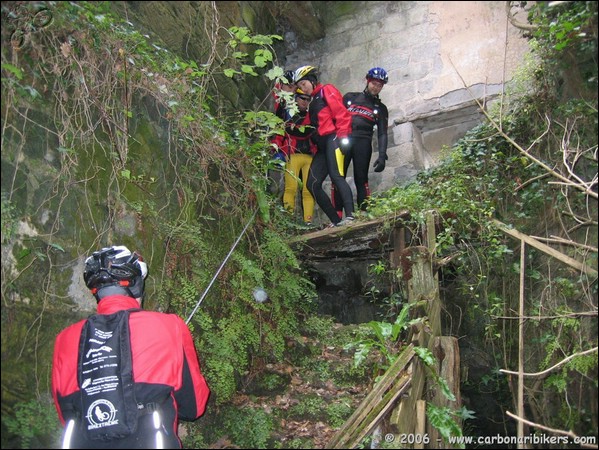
{"x": 299, "y": 94}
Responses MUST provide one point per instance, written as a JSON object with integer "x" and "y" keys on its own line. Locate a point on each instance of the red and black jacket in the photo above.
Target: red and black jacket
{"x": 368, "y": 111}
{"x": 166, "y": 369}
{"x": 297, "y": 136}
{"x": 328, "y": 114}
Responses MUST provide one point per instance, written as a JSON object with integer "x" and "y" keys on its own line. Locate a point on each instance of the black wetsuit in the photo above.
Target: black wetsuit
{"x": 367, "y": 111}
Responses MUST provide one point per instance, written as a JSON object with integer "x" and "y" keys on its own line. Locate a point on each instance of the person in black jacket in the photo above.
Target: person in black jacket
{"x": 367, "y": 111}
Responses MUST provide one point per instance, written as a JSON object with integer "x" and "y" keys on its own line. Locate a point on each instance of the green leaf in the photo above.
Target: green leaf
{"x": 259, "y": 61}
{"x": 465, "y": 414}
{"x": 361, "y": 353}
{"x": 32, "y": 91}
{"x": 402, "y": 320}
{"x": 425, "y": 355}
{"x": 57, "y": 247}
{"x": 445, "y": 389}
{"x": 230, "y": 73}
{"x": 378, "y": 330}
{"x": 442, "y": 420}
{"x": 264, "y": 55}
{"x": 248, "y": 69}
{"x": 14, "y": 70}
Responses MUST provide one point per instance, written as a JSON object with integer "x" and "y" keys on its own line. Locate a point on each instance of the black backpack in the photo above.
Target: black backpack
{"x": 105, "y": 377}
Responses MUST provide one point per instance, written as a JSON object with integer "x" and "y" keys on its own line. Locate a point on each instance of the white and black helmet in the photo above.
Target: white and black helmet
{"x": 115, "y": 266}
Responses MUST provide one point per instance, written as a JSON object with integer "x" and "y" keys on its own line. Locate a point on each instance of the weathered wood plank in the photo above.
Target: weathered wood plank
{"x": 546, "y": 249}
{"x": 404, "y": 419}
{"x": 378, "y": 412}
{"x": 357, "y": 420}
{"x": 418, "y": 274}
{"x": 420, "y": 423}
{"x": 349, "y": 241}
{"x": 447, "y": 354}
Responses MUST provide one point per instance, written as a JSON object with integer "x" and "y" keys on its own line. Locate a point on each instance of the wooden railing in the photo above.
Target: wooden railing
{"x": 402, "y": 392}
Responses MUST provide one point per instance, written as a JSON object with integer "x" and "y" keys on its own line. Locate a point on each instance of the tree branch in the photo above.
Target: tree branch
{"x": 545, "y": 372}
{"x": 551, "y": 430}
{"x": 515, "y": 22}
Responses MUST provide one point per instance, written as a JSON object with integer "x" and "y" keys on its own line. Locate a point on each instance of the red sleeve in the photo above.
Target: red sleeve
{"x": 278, "y": 140}
{"x": 64, "y": 365}
{"x": 339, "y": 114}
{"x": 192, "y": 381}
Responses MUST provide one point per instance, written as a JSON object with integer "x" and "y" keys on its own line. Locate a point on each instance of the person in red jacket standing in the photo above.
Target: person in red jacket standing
{"x": 332, "y": 124}
{"x": 124, "y": 377}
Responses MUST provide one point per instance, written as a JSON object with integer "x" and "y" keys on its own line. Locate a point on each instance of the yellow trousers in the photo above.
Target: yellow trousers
{"x": 296, "y": 164}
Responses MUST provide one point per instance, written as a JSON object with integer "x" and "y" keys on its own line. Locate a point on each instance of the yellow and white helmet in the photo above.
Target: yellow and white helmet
{"x": 306, "y": 73}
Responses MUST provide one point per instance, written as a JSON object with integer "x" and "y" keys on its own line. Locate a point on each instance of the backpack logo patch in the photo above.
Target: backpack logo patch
{"x": 101, "y": 413}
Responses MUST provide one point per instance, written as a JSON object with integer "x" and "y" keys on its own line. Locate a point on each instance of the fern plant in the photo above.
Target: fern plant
{"x": 384, "y": 338}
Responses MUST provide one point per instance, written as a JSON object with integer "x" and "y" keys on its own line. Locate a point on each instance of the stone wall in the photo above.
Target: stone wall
{"x": 439, "y": 56}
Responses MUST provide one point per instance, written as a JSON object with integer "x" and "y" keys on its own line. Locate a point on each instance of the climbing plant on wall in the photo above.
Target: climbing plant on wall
{"x": 533, "y": 165}
{"x": 107, "y": 138}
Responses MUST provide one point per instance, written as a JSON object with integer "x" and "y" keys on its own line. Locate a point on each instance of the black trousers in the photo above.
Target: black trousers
{"x": 360, "y": 155}
{"x": 325, "y": 164}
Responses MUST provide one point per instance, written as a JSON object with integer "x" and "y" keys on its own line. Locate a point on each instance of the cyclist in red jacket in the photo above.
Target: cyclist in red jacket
{"x": 124, "y": 377}
{"x": 332, "y": 126}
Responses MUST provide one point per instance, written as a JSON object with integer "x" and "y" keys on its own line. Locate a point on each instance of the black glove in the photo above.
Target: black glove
{"x": 379, "y": 164}
{"x": 345, "y": 146}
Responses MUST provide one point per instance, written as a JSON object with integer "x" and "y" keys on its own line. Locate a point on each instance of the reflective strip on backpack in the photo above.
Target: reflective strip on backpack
{"x": 68, "y": 434}
{"x": 157, "y": 425}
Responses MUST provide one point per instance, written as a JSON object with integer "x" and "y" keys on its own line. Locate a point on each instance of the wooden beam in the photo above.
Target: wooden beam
{"x": 384, "y": 393}
{"x": 355, "y": 240}
{"x": 447, "y": 354}
{"x": 546, "y": 249}
{"x": 378, "y": 412}
{"x": 420, "y": 423}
